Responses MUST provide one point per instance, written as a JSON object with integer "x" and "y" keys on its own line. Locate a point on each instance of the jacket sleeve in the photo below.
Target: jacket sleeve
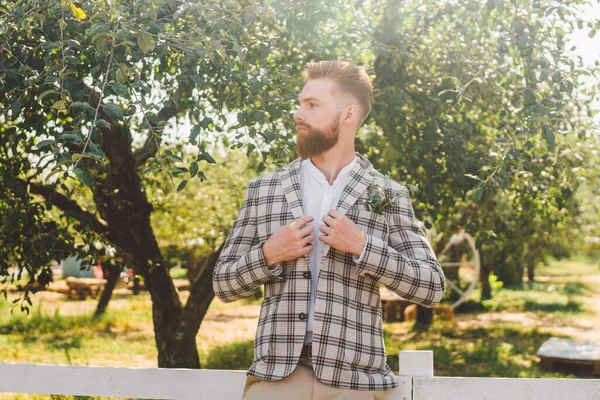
{"x": 241, "y": 266}
{"x": 406, "y": 264}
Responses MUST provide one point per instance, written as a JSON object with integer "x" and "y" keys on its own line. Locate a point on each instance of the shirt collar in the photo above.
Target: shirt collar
{"x": 317, "y": 175}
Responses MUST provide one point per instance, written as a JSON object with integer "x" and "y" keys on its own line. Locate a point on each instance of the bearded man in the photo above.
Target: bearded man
{"x": 322, "y": 234}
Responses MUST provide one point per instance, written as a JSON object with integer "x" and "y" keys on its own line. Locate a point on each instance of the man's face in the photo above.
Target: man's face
{"x": 317, "y": 119}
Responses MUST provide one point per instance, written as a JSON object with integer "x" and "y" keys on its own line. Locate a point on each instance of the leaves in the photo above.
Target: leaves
{"x": 182, "y": 185}
{"x": 113, "y": 111}
{"x": 102, "y": 123}
{"x": 478, "y": 194}
{"x": 548, "y": 135}
{"x": 70, "y": 138}
{"x": 146, "y": 42}
{"x": 205, "y": 156}
{"x": 86, "y": 178}
{"x": 78, "y": 156}
{"x": 81, "y": 106}
{"x": 177, "y": 170}
{"x": 193, "y": 169}
{"x": 194, "y": 134}
{"x": 45, "y": 143}
{"x": 169, "y": 154}
{"x": 78, "y": 12}
{"x": 204, "y": 64}
{"x": 60, "y": 105}
{"x": 46, "y": 93}
{"x": 151, "y": 168}
{"x": 529, "y": 97}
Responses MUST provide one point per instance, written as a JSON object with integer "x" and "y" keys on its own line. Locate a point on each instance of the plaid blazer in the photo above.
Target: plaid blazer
{"x": 348, "y": 349}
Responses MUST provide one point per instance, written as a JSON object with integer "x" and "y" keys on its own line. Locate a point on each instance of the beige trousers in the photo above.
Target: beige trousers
{"x": 302, "y": 384}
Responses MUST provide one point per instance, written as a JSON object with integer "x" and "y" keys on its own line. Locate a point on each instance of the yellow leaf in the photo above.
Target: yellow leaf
{"x": 77, "y": 12}
{"x": 77, "y": 156}
{"x": 59, "y": 105}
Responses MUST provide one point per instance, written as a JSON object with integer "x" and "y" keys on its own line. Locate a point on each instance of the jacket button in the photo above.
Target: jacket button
{"x": 306, "y": 274}
{"x": 369, "y": 276}
{"x": 302, "y": 316}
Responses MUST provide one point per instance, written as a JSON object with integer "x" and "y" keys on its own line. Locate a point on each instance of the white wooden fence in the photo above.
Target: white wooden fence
{"x": 416, "y": 382}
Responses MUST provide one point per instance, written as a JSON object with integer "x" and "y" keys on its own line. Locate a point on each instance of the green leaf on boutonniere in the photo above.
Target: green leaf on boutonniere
{"x": 378, "y": 199}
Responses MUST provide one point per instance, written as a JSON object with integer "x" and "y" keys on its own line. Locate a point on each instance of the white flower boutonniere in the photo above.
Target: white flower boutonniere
{"x": 377, "y": 201}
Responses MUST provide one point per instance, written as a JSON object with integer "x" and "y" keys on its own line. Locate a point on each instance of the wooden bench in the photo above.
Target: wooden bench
{"x": 81, "y": 288}
{"x": 393, "y": 305}
{"x": 570, "y": 354}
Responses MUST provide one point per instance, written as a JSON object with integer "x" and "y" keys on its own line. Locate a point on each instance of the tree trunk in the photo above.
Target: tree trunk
{"x": 531, "y": 268}
{"x": 424, "y": 318}
{"x": 122, "y": 203}
{"x": 530, "y": 272}
{"x": 111, "y": 274}
{"x": 487, "y": 266}
{"x": 181, "y": 338}
{"x": 519, "y": 274}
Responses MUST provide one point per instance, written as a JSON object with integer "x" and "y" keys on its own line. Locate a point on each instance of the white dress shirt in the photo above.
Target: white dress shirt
{"x": 318, "y": 197}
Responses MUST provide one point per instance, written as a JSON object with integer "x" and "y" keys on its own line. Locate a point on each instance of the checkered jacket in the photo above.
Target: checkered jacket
{"x": 348, "y": 349}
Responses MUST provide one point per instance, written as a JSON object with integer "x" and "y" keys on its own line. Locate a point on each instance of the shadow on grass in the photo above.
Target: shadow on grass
{"x": 55, "y": 331}
{"x": 573, "y": 288}
{"x": 229, "y": 317}
{"x": 496, "y": 351}
{"x": 571, "y": 306}
{"x": 237, "y": 356}
{"x": 501, "y": 350}
{"x": 546, "y": 297}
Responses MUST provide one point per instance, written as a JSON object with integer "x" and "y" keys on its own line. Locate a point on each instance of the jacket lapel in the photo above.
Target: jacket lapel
{"x": 290, "y": 182}
{"x": 358, "y": 182}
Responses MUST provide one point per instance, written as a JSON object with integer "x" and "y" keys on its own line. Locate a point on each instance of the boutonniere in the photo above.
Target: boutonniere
{"x": 377, "y": 201}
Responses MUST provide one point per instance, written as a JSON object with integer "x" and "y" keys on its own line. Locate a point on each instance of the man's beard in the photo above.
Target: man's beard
{"x": 312, "y": 142}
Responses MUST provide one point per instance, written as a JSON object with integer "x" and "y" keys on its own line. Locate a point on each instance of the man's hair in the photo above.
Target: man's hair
{"x": 348, "y": 79}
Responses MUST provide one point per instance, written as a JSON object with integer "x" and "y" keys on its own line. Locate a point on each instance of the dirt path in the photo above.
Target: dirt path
{"x": 235, "y": 322}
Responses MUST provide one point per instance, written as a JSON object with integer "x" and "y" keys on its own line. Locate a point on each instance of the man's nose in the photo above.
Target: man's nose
{"x": 297, "y": 115}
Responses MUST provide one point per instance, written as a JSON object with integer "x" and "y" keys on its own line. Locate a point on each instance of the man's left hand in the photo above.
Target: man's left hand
{"x": 342, "y": 233}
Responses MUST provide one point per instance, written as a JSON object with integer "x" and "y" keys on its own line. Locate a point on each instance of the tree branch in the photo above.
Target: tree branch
{"x": 150, "y": 148}
{"x": 142, "y": 154}
{"x": 201, "y": 293}
{"x": 68, "y": 206}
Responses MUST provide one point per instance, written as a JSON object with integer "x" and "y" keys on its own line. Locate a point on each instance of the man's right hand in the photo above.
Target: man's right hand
{"x": 289, "y": 242}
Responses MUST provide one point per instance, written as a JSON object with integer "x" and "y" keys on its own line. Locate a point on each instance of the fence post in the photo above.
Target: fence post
{"x": 416, "y": 363}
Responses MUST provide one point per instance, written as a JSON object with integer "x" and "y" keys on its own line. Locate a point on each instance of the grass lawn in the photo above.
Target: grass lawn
{"x": 500, "y": 339}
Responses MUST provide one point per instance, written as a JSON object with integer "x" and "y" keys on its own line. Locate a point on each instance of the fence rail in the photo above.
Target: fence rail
{"x": 416, "y": 382}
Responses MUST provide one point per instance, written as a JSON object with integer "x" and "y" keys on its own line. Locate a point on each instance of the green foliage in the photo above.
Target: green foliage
{"x": 465, "y": 347}
{"x": 58, "y": 332}
{"x": 495, "y": 283}
{"x": 539, "y": 298}
{"x": 500, "y": 350}
{"x": 71, "y": 77}
{"x": 31, "y": 239}
{"x": 476, "y": 105}
{"x": 193, "y": 222}
{"x": 237, "y": 355}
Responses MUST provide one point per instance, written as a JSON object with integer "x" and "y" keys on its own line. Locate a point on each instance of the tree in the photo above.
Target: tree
{"x": 73, "y": 94}
{"x": 81, "y": 82}
{"x": 477, "y": 106}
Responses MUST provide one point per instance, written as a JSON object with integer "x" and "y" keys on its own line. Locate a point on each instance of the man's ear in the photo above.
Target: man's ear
{"x": 351, "y": 114}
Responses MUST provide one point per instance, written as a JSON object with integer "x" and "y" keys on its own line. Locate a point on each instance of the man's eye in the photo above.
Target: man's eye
{"x": 312, "y": 105}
